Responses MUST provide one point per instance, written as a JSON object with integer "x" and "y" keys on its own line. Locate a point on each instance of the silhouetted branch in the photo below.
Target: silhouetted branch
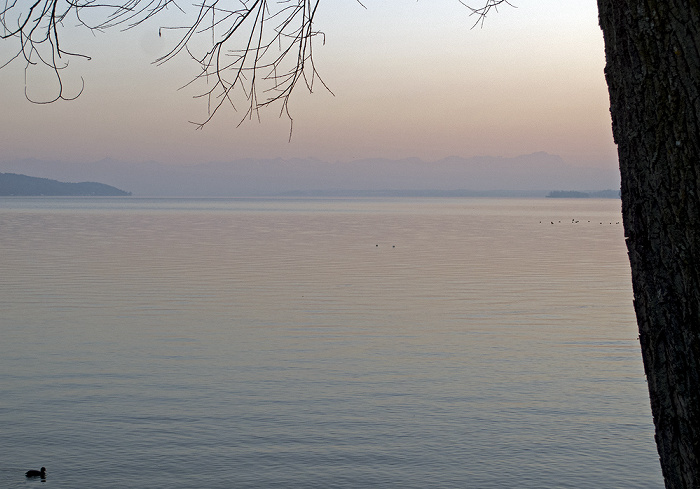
{"x": 37, "y": 25}
{"x": 258, "y": 51}
{"x": 482, "y": 12}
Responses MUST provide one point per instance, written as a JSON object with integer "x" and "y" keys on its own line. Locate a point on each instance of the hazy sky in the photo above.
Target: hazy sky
{"x": 410, "y": 78}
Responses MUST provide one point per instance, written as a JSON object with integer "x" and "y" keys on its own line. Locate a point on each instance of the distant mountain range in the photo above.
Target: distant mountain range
{"x": 527, "y": 175}
{"x": 12, "y": 184}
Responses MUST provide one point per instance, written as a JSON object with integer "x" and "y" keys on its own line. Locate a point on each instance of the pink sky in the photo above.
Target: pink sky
{"x": 410, "y": 79}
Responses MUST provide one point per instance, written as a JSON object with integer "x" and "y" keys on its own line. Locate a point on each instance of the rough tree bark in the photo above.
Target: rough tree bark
{"x": 652, "y": 51}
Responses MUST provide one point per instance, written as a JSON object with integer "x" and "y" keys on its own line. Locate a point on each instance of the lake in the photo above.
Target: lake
{"x": 320, "y": 343}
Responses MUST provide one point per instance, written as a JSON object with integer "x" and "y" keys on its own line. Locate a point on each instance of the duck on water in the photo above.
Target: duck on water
{"x": 37, "y": 473}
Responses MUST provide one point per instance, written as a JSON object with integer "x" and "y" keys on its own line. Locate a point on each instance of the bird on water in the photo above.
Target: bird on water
{"x": 37, "y": 473}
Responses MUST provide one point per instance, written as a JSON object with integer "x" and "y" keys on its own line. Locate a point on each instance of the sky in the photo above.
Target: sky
{"x": 408, "y": 79}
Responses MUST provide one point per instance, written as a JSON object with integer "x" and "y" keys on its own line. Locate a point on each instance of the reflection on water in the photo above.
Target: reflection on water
{"x": 320, "y": 343}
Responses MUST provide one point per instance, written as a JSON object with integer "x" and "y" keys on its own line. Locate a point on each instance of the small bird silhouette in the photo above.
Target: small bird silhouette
{"x": 37, "y": 473}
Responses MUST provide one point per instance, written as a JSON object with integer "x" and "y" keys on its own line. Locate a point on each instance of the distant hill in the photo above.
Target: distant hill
{"x": 13, "y": 184}
{"x": 573, "y": 194}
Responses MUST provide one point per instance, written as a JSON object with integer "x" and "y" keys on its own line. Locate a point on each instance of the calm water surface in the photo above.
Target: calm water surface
{"x": 458, "y": 343}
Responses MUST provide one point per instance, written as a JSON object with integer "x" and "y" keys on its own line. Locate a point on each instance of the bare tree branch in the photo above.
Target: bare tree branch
{"x": 259, "y": 51}
{"x": 36, "y": 26}
{"x": 482, "y": 12}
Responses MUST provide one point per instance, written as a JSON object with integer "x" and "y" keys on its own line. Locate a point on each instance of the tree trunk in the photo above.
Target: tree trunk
{"x": 652, "y": 51}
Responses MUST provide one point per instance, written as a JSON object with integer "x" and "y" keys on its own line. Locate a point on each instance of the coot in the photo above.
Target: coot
{"x": 37, "y": 473}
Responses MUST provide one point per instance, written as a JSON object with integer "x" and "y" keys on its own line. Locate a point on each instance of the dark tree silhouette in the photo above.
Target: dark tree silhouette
{"x": 262, "y": 50}
{"x": 653, "y": 73}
